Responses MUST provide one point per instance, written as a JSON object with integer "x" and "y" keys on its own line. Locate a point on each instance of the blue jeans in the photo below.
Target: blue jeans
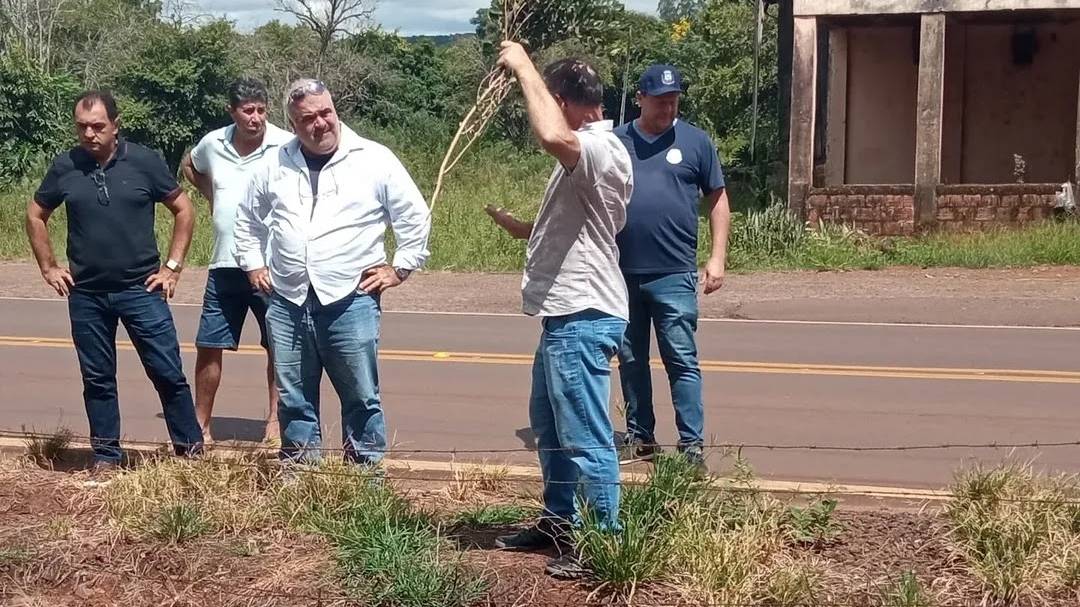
{"x": 568, "y": 412}
{"x": 149, "y": 323}
{"x": 669, "y": 303}
{"x": 342, "y": 338}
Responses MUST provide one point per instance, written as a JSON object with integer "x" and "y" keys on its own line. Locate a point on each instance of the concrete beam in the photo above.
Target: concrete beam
{"x": 898, "y": 7}
{"x": 928, "y": 128}
{"x": 836, "y": 129}
{"x": 803, "y": 104}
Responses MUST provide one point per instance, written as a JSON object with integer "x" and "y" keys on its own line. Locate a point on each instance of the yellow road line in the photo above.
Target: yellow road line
{"x": 714, "y": 366}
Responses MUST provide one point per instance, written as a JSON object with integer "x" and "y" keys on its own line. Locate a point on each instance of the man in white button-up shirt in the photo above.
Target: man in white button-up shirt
{"x": 310, "y": 233}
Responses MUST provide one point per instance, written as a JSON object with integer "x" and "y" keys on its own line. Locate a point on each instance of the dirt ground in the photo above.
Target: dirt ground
{"x": 57, "y": 549}
{"x": 1044, "y": 296}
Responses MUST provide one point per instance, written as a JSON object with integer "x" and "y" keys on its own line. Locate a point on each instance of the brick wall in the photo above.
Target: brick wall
{"x": 969, "y": 208}
{"x": 877, "y": 210}
{"x": 890, "y": 210}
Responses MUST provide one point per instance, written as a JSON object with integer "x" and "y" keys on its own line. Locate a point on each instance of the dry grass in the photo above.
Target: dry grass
{"x": 1017, "y": 531}
{"x": 470, "y": 482}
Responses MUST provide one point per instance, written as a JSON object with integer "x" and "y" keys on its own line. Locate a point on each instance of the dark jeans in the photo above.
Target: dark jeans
{"x": 149, "y": 323}
{"x": 668, "y": 303}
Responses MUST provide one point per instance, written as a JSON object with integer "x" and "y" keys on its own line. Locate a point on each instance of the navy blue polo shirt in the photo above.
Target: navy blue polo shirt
{"x": 671, "y": 173}
{"x": 110, "y": 241}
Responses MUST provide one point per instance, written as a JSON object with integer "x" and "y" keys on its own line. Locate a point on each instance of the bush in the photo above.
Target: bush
{"x": 35, "y": 110}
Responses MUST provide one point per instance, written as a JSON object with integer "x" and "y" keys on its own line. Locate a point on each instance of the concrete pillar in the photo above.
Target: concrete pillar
{"x": 836, "y": 125}
{"x": 929, "y": 110}
{"x": 803, "y": 103}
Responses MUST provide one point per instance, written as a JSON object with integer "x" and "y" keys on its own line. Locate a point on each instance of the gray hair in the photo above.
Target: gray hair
{"x": 302, "y": 88}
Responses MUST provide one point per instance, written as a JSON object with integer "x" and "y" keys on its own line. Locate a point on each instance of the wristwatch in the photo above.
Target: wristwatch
{"x": 174, "y": 265}
{"x": 402, "y": 273}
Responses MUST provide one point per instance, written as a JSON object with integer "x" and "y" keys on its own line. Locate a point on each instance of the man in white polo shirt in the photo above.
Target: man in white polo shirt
{"x": 220, "y": 167}
{"x": 311, "y": 234}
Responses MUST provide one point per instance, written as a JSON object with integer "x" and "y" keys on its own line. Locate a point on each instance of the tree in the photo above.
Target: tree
{"x": 175, "y": 88}
{"x": 35, "y": 107}
{"x": 30, "y": 25}
{"x": 677, "y": 10}
{"x": 329, "y": 18}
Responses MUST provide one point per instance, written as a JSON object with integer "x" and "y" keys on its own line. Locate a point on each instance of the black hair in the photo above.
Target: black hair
{"x": 247, "y": 89}
{"x": 105, "y": 98}
{"x": 575, "y": 81}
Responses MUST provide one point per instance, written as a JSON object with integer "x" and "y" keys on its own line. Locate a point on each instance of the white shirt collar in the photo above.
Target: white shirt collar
{"x": 349, "y": 142}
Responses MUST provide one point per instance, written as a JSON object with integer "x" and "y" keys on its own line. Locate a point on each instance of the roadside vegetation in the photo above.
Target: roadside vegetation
{"x": 238, "y": 530}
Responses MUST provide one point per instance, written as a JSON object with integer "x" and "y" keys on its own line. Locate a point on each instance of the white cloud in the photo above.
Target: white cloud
{"x": 410, "y": 17}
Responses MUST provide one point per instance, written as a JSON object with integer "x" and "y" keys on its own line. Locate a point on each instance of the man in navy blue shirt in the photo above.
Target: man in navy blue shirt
{"x": 675, "y": 164}
{"x": 111, "y": 187}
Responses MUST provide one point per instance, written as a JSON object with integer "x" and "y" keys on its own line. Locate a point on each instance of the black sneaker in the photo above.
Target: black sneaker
{"x": 536, "y": 537}
{"x": 566, "y": 567}
{"x": 638, "y": 451}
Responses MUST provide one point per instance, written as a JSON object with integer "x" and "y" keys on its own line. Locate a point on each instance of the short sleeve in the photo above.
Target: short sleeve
{"x": 200, "y": 156}
{"x": 711, "y": 173}
{"x": 592, "y": 163}
{"x": 600, "y": 169}
{"x": 162, "y": 181}
{"x": 50, "y": 193}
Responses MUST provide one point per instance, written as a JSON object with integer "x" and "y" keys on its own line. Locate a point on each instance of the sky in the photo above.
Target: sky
{"x": 410, "y": 17}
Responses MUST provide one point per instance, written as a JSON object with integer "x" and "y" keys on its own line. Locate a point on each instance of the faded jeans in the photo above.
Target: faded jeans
{"x": 341, "y": 338}
{"x": 569, "y": 413}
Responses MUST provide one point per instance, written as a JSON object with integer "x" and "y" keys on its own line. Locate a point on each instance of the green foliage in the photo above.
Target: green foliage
{"x": 179, "y": 523}
{"x": 35, "y": 110}
{"x": 176, "y": 86}
{"x": 494, "y": 514}
{"x": 813, "y": 525}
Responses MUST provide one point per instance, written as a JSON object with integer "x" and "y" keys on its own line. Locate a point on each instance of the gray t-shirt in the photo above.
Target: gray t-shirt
{"x": 572, "y": 263}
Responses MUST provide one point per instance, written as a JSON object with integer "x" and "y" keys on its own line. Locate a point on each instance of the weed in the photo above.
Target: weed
{"x": 14, "y": 557}
{"x": 906, "y": 592}
{"x": 468, "y": 480}
{"x": 179, "y": 523}
{"x": 59, "y": 528}
{"x": 813, "y": 525}
{"x": 46, "y": 450}
{"x": 793, "y": 583}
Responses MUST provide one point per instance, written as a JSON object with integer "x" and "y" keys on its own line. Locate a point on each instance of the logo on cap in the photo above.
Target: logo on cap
{"x": 668, "y": 78}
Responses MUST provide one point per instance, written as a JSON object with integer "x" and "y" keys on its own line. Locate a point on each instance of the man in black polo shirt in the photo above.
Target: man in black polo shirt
{"x": 110, "y": 187}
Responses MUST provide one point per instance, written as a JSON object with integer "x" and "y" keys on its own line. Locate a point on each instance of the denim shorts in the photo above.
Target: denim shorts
{"x": 228, "y": 298}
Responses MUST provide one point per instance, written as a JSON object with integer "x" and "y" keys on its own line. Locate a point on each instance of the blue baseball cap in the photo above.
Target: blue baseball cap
{"x": 660, "y": 79}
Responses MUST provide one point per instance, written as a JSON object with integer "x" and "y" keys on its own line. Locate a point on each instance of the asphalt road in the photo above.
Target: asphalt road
{"x": 461, "y": 382}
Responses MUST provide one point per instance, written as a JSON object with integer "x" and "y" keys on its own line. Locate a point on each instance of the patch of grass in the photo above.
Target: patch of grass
{"x": 389, "y": 553}
{"x": 813, "y": 525}
{"x": 470, "y": 479}
{"x": 1014, "y": 529}
{"x": 179, "y": 523}
{"x": 232, "y": 496}
{"x": 59, "y": 528}
{"x": 46, "y": 450}
{"x": 794, "y": 583}
{"x": 907, "y": 591}
{"x": 494, "y": 514}
{"x": 12, "y": 557}
{"x": 712, "y": 542}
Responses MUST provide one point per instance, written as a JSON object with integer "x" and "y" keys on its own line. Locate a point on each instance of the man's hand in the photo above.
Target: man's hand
{"x": 260, "y": 280}
{"x": 59, "y": 279}
{"x": 714, "y": 276}
{"x": 378, "y": 279}
{"x": 166, "y": 280}
{"x": 506, "y": 221}
{"x": 514, "y": 58}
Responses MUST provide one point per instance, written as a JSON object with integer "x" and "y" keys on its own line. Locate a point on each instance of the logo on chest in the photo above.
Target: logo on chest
{"x": 674, "y": 156}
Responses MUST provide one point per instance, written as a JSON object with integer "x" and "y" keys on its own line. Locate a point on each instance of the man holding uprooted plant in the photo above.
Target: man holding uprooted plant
{"x": 572, "y": 281}
{"x": 675, "y": 164}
